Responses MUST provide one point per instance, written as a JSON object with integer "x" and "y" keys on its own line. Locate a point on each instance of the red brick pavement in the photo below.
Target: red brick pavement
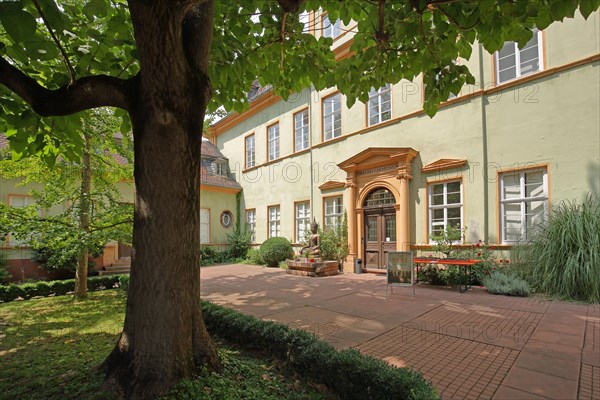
{"x": 471, "y": 345}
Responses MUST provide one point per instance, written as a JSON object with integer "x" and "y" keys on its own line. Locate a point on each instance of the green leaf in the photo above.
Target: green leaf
{"x": 587, "y": 7}
{"x": 19, "y": 25}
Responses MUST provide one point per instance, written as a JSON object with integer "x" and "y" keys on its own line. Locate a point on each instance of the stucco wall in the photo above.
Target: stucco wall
{"x": 550, "y": 118}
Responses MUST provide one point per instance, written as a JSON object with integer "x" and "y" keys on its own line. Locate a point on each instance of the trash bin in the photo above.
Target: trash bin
{"x": 358, "y": 266}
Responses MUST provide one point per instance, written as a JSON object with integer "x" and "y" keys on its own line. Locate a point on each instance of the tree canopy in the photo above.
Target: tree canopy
{"x": 78, "y": 46}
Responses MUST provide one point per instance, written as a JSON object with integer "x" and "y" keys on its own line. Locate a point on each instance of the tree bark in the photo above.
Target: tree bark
{"x": 81, "y": 273}
{"x": 164, "y": 337}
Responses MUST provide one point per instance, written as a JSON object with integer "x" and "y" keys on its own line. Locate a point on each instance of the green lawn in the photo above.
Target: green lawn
{"x": 48, "y": 347}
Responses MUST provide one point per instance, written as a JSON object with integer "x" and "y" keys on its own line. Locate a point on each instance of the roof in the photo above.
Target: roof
{"x": 208, "y": 175}
{"x": 210, "y": 150}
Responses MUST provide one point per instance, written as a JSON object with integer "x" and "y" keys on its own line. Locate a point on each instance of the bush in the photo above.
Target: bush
{"x": 239, "y": 243}
{"x": 499, "y": 283}
{"x": 124, "y": 282}
{"x": 52, "y": 259}
{"x": 334, "y": 242}
{"x": 350, "y": 374}
{"x": 253, "y": 257}
{"x": 57, "y": 288}
{"x": 275, "y": 250}
{"x": 564, "y": 254}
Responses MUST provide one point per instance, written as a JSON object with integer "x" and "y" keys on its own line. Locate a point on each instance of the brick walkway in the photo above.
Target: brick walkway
{"x": 471, "y": 345}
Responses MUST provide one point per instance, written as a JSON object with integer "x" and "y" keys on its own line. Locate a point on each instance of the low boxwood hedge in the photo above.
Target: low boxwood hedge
{"x": 350, "y": 374}
{"x": 58, "y": 288}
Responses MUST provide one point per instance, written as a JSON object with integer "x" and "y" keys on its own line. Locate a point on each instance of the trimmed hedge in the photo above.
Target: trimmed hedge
{"x": 275, "y": 250}
{"x": 350, "y": 374}
{"x": 58, "y": 288}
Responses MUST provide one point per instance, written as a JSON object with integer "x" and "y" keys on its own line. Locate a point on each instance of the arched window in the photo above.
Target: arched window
{"x": 380, "y": 197}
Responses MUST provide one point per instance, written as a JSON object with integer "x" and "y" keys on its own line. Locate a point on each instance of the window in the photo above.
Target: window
{"x": 273, "y": 141}
{"x": 21, "y": 201}
{"x": 250, "y": 157}
{"x": 512, "y": 62}
{"x": 221, "y": 168}
{"x": 334, "y": 211}
{"x": 445, "y": 206}
{"x": 331, "y": 30}
{"x": 380, "y": 197}
{"x": 332, "y": 116}
{"x": 251, "y": 224}
{"x": 204, "y": 225}
{"x": 301, "y": 130}
{"x": 302, "y": 220}
{"x": 523, "y": 203}
{"x": 304, "y": 19}
{"x": 274, "y": 221}
{"x": 380, "y": 104}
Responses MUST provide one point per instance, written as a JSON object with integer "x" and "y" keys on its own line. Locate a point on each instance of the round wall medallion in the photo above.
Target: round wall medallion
{"x": 226, "y": 218}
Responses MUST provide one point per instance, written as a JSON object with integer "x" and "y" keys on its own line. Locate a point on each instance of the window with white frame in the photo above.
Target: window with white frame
{"x": 250, "y": 155}
{"x": 304, "y": 19}
{"x": 301, "y": 130}
{"x": 445, "y": 206}
{"x": 332, "y": 116}
{"x": 274, "y": 221}
{"x": 511, "y": 62}
{"x": 221, "y": 168}
{"x": 380, "y": 104}
{"x": 21, "y": 201}
{"x": 331, "y": 30}
{"x": 204, "y": 225}
{"x": 251, "y": 224}
{"x": 273, "y": 141}
{"x": 523, "y": 203}
{"x": 334, "y": 212}
{"x": 302, "y": 220}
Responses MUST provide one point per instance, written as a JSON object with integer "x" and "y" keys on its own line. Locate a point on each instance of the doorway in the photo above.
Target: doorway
{"x": 380, "y": 228}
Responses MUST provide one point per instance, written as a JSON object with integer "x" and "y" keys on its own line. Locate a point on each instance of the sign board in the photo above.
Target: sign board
{"x": 400, "y": 271}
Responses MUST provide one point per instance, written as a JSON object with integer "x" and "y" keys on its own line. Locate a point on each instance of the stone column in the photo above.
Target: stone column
{"x": 351, "y": 212}
{"x": 403, "y": 212}
{"x": 350, "y": 209}
{"x": 403, "y": 216}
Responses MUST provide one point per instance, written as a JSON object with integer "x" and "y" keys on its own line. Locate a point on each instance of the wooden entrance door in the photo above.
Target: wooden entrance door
{"x": 380, "y": 236}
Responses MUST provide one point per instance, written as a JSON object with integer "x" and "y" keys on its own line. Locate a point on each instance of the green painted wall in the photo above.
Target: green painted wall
{"x": 550, "y": 120}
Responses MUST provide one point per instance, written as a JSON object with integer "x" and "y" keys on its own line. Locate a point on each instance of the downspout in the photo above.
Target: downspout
{"x": 310, "y": 151}
{"x": 484, "y": 142}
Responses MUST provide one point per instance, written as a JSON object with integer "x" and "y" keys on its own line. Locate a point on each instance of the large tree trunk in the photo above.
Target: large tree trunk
{"x": 164, "y": 337}
{"x": 81, "y": 273}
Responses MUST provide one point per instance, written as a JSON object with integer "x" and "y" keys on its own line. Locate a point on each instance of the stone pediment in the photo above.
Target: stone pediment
{"x": 443, "y": 163}
{"x": 379, "y": 157}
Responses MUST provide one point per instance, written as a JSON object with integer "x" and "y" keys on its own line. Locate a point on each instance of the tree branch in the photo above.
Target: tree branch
{"x": 84, "y": 93}
{"x": 100, "y": 228}
{"x": 55, "y": 39}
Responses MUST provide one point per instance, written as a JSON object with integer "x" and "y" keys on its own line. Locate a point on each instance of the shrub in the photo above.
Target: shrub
{"x": 350, "y": 374}
{"x": 275, "y": 250}
{"x": 499, "y": 283}
{"x": 58, "y": 288}
{"x": 334, "y": 242}
{"x": 52, "y": 259}
{"x": 4, "y": 273}
{"x": 239, "y": 243}
{"x": 124, "y": 282}
{"x": 564, "y": 255}
{"x": 253, "y": 257}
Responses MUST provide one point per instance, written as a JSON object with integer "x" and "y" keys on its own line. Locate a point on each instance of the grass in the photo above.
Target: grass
{"x": 48, "y": 347}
